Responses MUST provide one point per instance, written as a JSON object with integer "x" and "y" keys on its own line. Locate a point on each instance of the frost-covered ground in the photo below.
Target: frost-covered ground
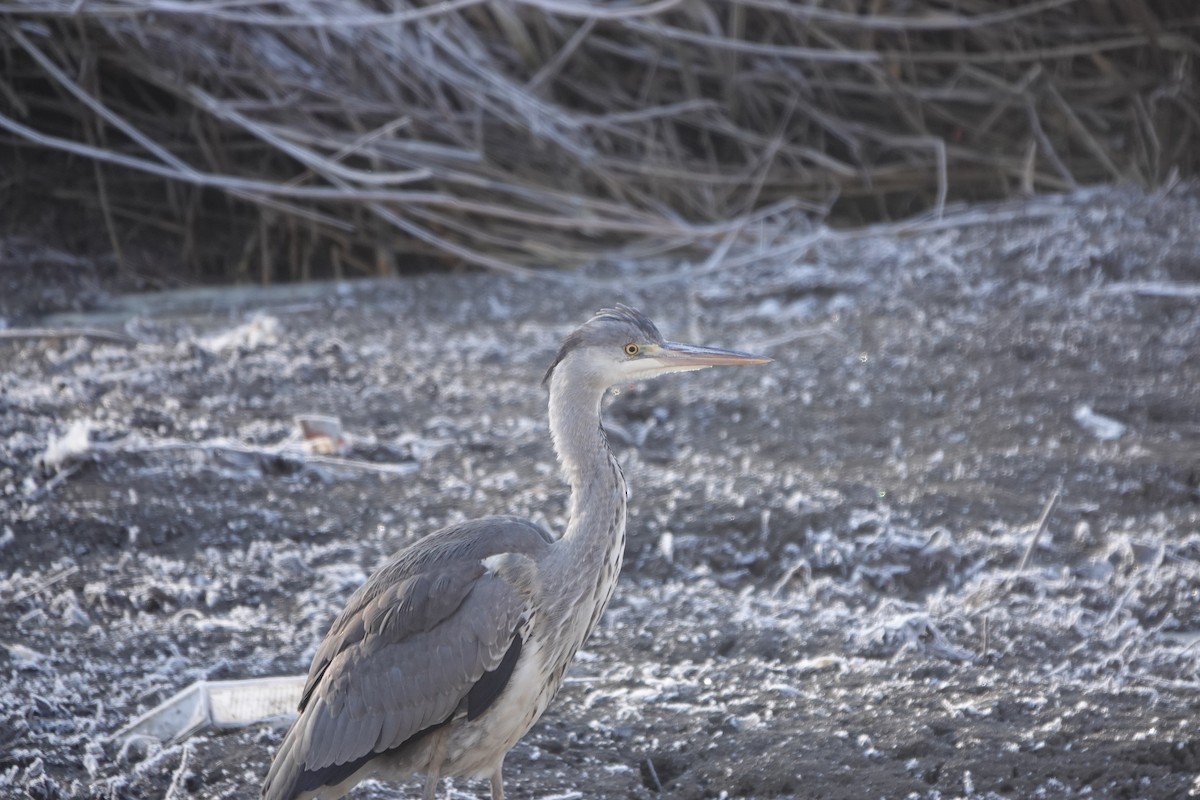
{"x": 836, "y": 585}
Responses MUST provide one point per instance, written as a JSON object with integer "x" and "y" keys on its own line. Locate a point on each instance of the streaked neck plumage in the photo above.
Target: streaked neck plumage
{"x": 590, "y": 551}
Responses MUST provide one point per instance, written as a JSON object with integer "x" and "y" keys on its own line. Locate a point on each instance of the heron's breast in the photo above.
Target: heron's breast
{"x": 475, "y": 747}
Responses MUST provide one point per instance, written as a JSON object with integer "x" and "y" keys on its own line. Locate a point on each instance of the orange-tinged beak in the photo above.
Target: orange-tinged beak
{"x": 675, "y": 356}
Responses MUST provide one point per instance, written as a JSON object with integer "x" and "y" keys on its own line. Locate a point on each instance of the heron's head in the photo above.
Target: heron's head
{"x": 621, "y": 344}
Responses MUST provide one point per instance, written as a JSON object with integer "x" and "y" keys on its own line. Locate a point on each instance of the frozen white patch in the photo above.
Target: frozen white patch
{"x": 25, "y": 658}
{"x": 666, "y": 546}
{"x": 261, "y": 330}
{"x": 1098, "y": 425}
{"x": 64, "y": 449}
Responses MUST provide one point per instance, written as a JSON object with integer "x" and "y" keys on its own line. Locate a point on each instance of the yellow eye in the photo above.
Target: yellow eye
{"x": 631, "y": 349}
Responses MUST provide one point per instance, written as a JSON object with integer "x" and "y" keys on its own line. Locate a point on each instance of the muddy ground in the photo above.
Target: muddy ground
{"x": 835, "y": 584}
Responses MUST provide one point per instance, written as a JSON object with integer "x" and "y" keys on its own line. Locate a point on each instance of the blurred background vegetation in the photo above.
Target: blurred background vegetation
{"x": 294, "y": 139}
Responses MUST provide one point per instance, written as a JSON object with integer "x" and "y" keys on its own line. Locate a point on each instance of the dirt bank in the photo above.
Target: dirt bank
{"x": 834, "y": 586}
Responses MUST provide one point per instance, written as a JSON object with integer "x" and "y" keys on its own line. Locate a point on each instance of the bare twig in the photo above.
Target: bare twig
{"x": 658, "y": 787}
{"x": 1051, "y": 502}
{"x": 45, "y": 584}
{"x": 1179, "y": 291}
{"x": 16, "y": 334}
{"x": 234, "y": 448}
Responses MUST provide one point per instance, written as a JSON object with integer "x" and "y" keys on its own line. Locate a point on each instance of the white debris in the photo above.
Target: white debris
{"x": 220, "y": 705}
{"x": 666, "y": 546}
{"x": 1098, "y": 425}
{"x": 61, "y": 450}
{"x": 262, "y": 330}
{"x": 25, "y": 658}
{"x": 321, "y": 434}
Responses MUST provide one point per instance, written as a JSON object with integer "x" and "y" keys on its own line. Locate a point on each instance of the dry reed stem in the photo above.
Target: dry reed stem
{"x": 558, "y": 131}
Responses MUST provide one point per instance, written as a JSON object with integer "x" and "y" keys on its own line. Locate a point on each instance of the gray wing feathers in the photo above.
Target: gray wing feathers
{"x": 410, "y": 607}
{"x": 409, "y": 645}
{"x": 380, "y": 690}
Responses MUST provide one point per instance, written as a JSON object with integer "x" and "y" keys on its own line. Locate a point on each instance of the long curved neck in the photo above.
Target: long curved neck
{"x": 585, "y": 561}
{"x": 597, "y": 485}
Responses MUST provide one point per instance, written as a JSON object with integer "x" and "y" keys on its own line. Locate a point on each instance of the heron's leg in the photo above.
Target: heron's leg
{"x": 498, "y": 781}
{"x": 433, "y": 772}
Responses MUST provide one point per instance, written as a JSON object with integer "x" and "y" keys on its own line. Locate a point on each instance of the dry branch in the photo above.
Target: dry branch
{"x": 523, "y": 133}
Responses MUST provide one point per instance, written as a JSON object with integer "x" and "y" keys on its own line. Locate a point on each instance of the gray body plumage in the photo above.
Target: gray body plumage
{"x": 452, "y": 650}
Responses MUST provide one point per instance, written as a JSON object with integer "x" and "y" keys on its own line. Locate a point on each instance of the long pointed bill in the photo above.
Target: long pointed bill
{"x": 675, "y": 356}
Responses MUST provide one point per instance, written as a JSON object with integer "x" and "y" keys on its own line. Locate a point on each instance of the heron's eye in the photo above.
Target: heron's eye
{"x": 631, "y": 349}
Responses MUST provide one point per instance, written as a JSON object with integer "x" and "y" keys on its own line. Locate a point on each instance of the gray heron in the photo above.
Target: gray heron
{"x": 451, "y": 651}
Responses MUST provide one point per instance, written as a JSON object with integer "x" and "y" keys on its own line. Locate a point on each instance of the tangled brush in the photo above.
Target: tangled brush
{"x": 372, "y": 135}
